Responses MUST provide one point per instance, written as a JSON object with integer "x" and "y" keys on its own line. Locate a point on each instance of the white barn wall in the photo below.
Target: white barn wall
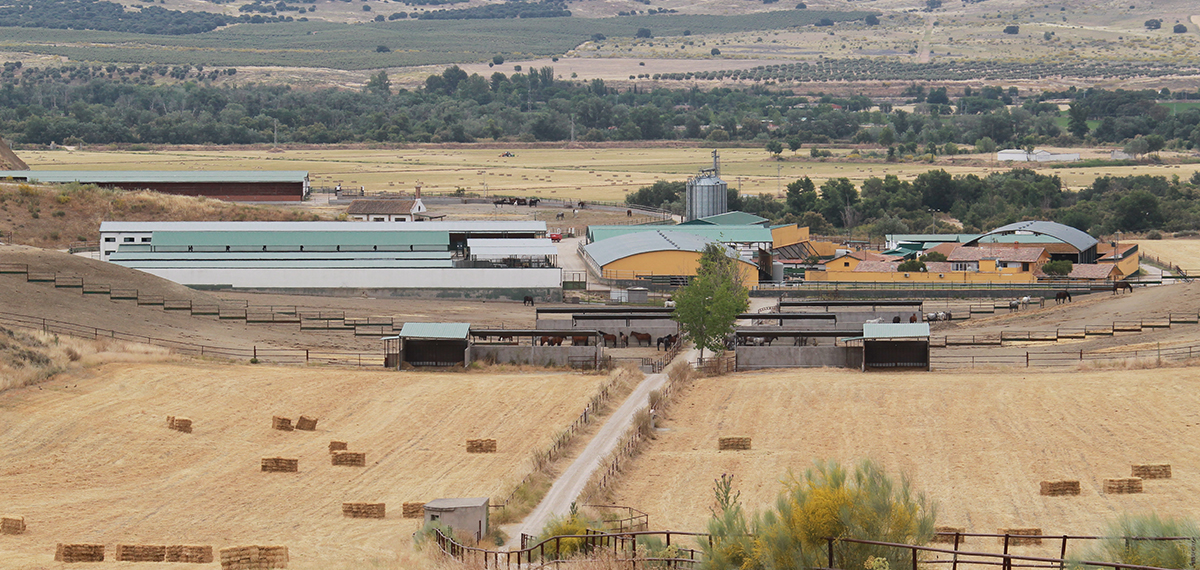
{"x": 422, "y": 278}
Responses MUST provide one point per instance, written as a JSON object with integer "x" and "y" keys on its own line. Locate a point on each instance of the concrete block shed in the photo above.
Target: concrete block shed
{"x": 886, "y": 345}
{"x": 470, "y": 514}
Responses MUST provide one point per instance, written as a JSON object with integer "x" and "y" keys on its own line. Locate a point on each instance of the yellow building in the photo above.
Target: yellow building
{"x": 966, "y": 265}
{"x": 1124, "y": 256}
{"x": 662, "y": 253}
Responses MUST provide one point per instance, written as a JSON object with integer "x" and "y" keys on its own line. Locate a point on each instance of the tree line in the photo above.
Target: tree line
{"x": 889, "y": 205}
{"x": 111, "y": 16}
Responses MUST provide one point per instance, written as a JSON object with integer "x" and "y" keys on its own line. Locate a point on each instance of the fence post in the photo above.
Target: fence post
{"x": 1062, "y": 555}
{"x": 914, "y": 559}
{"x": 830, "y": 552}
{"x": 256, "y": 352}
{"x": 1026, "y": 359}
{"x": 306, "y": 356}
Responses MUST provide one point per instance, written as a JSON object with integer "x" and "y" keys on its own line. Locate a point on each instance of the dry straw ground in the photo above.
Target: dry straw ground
{"x": 978, "y": 443}
{"x": 88, "y": 458}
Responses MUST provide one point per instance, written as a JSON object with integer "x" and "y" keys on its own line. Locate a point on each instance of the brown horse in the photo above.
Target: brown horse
{"x": 1062, "y": 297}
{"x": 609, "y": 338}
{"x": 552, "y": 340}
{"x": 1121, "y": 286}
{"x": 641, "y": 337}
{"x": 579, "y": 341}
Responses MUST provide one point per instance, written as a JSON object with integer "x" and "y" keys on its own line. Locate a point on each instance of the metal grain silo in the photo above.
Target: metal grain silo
{"x": 707, "y": 194}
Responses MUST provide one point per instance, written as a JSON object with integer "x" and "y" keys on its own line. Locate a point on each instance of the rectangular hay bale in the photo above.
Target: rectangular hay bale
{"x": 280, "y": 465}
{"x": 70, "y": 553}
{"x": 190, "y": 553}
{"x": 1060, "y": 488}
{"x": 182, "y": 424}
{"x": 282, "y": 424}
{"x": 1152, "y": 471}
{"x": 337, "y": 446}
{"x": 733, "y": 443}
{"x": 481, "y": 446}
{"x": 254, "y": 557}
{"x": 364, "y": 510}
{"x": 10, "y": 524}
{"x": 141, "y": 553}
{"x": 946, "y": 534}
{"x": 1018, "y": 536}
{"x": 413, "y": 510}
{"x": 1123, "y": 486}
{"x": 350, "y": 458}
{"x": 306, "y": 423}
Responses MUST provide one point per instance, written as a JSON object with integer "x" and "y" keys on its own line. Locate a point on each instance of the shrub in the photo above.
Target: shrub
{"x": 643, "y": 33}
{"x": 914, "y": 265}
{"x": 382, "y": 49}
{"x": 1060, "y": 267}
{"x": 1154, "y": 234}
{"x": 934, "y": 256}
{"x": 1180, "y": 29}
{"x": 1158, "y": 553}
{"x": 1012, "y": 30}
{"x": 715, "y": 51}
{"x": 571, "y": 524}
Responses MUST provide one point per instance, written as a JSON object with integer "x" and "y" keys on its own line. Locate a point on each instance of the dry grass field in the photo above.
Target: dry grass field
{"x": 578, "y": 173}
{"x": 978, "y": 443}
{"x": 88, "y": 457}
{"x": 1183, "y": 252}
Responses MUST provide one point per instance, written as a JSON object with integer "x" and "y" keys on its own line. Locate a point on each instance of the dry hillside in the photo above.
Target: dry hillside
{"x": 978, "y": 443}
{"x": 88, "y": 457}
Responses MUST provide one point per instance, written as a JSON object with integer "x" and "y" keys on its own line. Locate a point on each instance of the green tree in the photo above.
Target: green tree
{"x": 887, "y": 137}
{"x": 934, "y": 256}
{"x": 708, "y": 306}
{"x": 913, "y": 265}
{"x": 1077, "y": 114}
{"x": 775, "y": 148}
{"x": 1059, "y": 268}
{"x": 379, "y": 84}
{"x": 801, "y": 196}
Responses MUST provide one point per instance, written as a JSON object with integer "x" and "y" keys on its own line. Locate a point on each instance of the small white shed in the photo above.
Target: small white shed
{"x": 470, "y": 515}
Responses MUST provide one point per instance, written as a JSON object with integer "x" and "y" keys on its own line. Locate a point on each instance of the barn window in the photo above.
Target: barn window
{"x": 145, "y": 240}
{"x": 128, "y": 240}
{"x": 845, "y": 264}
{"x": 110, "y": 239}
{"x": 108, "y": 253}
{"x": 379, "y": 219}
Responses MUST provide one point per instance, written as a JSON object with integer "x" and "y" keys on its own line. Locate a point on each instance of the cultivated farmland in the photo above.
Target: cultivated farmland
{"x": 979, "y": 443}
{"x": 88, "y": 457}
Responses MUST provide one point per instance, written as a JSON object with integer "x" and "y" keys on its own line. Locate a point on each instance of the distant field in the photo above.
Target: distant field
{"x": 978, "y": 443}
{"x": 412, "y": 42}
{"x": 579, "y": 173}
{"x": 1183, "y": 252}
{"x": 89, "y": 459}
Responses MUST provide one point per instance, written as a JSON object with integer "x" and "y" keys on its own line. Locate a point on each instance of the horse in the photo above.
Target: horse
{"x": 1121, "y": 286}
{"x": 639, "y": 337}
{"x": 609, "y": 337}
{"x": 1062, "y": 297}
{"x": 559, "y": 216}
{"x": 552, "y": 340}
{"x": 528, "y": 301}
{"x": 669, "y": 304}
{"x": 1013, "y": 306}
{"x": 579, "y": 341}
{"x": 506, "y": 338}
{"x": 1025, "y": 302}
{"x": 874, "y": 321}
{"x": 624, "y": 340}
{"x": 941, "y": 316}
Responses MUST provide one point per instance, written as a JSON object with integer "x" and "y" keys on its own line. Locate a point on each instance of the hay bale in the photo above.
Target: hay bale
{"x": 181, "y": 424}
{"x": 337, "y": 446}
{"x": 364, "y": 510}
{"x": 281, "y": 424}
{"x": 1060, "y": 488}
{"x": 254, "y": 557}
{"x": 141, "y": 553}
{"x": 946, "y": 534}
{"x": 12, "y": 525}
{"x": 1017, "y": 536}
{"x": 481, "y": 446}
{"x": 171, "y": 422}
{"x": 190, "y": 553}
{"x": 1152, "y": 471}
{"x": 79, "y": 553}
{"x": 280, "y": 465}
{"x": 413, "y": 510}
{"x": 1123, "y": 486}
{"x": 350, "y": 458}
{"x": 733, "y": 443}
{"x": 306, "y": 423}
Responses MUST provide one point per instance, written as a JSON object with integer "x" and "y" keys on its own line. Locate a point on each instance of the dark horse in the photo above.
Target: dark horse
{"x": 641, "y": 337}
{"x": 1062, "y": 297}
{"x": 528, "y": 300}
{"x": 1121, "y": 286}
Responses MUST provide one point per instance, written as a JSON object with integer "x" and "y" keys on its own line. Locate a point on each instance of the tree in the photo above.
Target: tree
{"x": 379, "y": 84}
{"x": 708, "y": 306}
{"x": 715, "y": 51}
{"x": 872, "y": 20}
{"x": 801, "y": 196}
{"x": 1058, "y": 268}
{"x": 1137, "y": 146}
{"x": 1153, "y": 24}
{"x": 913, "y": 265}
{"x": 774, "y": 147}
{"x": 1077, "y": 123}
{"x": 643, "y": 33}
{"x": 794, "y": 143}
{"x": 1012, "y": 30}
{"x": 497, "y": 59}
{"x": 1180, "y": 29}
{"x": 934, "y": 256}
{"x": 382, "y": 49}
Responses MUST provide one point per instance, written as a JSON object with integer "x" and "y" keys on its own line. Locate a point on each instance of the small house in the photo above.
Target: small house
{"x": 468, "y": 515}
{"x": 394, "y": 210}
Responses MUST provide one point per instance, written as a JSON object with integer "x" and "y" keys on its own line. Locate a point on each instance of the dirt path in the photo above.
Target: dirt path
{"x": 570, "y": 484}
{"x": 926, "y": 40}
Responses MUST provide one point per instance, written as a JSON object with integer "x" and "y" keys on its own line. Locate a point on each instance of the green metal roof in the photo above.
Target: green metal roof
{"x": 724, "y": 234}
{"x": 436, "y": 330}
{"x": 347, "y": 237}
{"x": 728, "y": 219}
{"x": 149, "y": 176}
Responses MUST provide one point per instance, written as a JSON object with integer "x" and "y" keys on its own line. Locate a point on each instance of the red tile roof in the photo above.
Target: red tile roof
{"x": 381, "y": 207}
{"x": 1018, "y": 254}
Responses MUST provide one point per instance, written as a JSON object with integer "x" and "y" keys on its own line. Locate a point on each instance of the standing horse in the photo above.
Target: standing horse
{"x": 1062, "y": 297}
{"x": 528, "y": 300}
{"x": 640, "y": 337}
{"x": 1121, "y": 287}
{"x": 609, "y": 338}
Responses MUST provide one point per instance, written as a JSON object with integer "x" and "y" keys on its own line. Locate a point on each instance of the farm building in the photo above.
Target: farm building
{"x": 706, "y": 194}
{"x": 999, "y": 264}
{"x": 463, "y": 515}
{"x": 729, "y": 219}
{"x": 1073, "y": 245}
{"x": 890, "y": 346}
{"x": 1019, "y": 155}
{"x": 747, "y": 240}
{"x": 230, "y": 185}
{"x": 386, "y": 210}
{"x": 661, "y": 252}
{"x": 429, "y": 344}
{"x": 337, "y": 258}
{"x": 1124, "y": 256}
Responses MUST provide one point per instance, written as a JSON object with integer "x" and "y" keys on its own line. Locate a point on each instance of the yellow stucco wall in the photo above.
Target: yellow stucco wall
{"x": 1129, "y": 265}
{"x": 920, "y": 277}
{"x": 788, "y": 235}
{"x": 668, "y": 263}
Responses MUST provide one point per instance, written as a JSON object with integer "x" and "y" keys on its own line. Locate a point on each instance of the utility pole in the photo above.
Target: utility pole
{"x": 276, "y": 133}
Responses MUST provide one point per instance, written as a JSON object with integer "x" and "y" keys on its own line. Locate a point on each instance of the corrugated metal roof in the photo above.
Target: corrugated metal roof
{"x": 455, "y": 226}
{"x": 254, "y": 237}
{"x": 500, "y": 248}
{"x": 148, "y": 176}
{"x": 723, "y": 234}
{"x": 436, "y": 330}
{"x": 875, "y": 331}
{"x": 440, "y": 504}
{"x": 1066, "y": 234}
{"x": 728, "y": 219}
{"x": 609, "y": 250}
{"x": 381, "y": 207}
